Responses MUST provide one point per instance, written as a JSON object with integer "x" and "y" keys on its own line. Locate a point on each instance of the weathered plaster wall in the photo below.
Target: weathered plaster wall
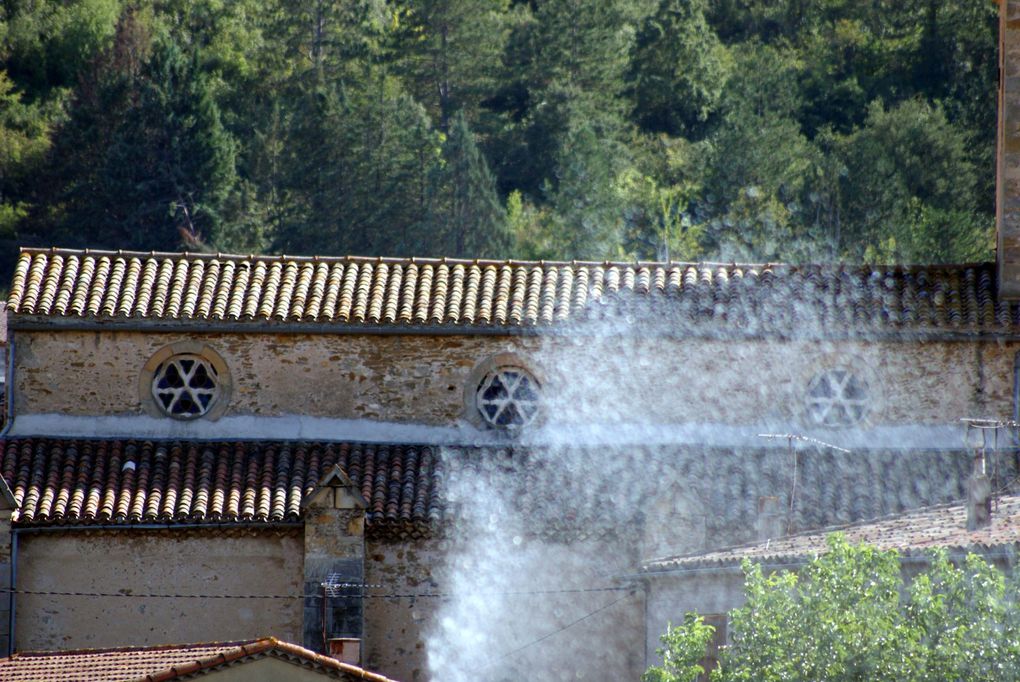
{"x": 393, "y": 378}
{"x": 140, "y": 562}
{"x": 421, "y": 379}
{"x": 669, "y": 598}
{"x": 605, "y": 647}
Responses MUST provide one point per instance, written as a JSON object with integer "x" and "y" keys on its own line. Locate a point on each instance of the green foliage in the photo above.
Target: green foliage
{"x": 752, "y": 129}
{"x": 907, "y": 171}
{"x": 146, "y": 162}
{"x": 849, "y": 616}
{"x": 682, "y": 650}
{"x": 679, "y": 68}
{"x": 451, "y": 52}
{"x": 464, "y": 218}
{"x": 356, "y": 172}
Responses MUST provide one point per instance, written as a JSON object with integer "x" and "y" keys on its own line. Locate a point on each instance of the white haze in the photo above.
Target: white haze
{"x": 520, "y": 542}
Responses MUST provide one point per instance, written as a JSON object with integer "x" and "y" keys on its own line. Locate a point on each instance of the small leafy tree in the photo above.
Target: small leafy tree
{"x": 849, "y": 616}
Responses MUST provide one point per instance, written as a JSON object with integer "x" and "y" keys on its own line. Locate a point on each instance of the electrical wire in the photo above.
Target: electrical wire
{"x": 352, "y": 586}
{"x": 558, "y": 631}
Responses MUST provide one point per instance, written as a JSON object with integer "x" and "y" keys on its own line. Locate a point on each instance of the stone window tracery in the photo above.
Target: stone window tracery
{"x": 508, "y": 398}
{"x": 185, "y": 380}
{"x": 837, "y": 397}
{"x": 185, "y": 386}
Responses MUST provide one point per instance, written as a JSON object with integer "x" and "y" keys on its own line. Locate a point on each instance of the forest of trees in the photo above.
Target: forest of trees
{"x": 742, "y": 130}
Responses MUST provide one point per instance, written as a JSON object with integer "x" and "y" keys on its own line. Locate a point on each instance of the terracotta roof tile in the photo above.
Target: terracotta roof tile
{"x": 913, "y": 532}
{"x": 92, "y": 482}
{"x": 124, "y": 482}
{"x": 165, "y": 663}
{"x": 756, "y": 299}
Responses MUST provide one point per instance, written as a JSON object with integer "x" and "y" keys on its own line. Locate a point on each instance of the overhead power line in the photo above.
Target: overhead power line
{"x": 350, "y": 586}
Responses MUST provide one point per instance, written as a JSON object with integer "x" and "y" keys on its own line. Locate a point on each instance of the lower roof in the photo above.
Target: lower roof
{"x": 566, "y": 492}
{"x": 127, "y": 482}
{"x": 914, "y": 532}
{"x": 165, "y": 663}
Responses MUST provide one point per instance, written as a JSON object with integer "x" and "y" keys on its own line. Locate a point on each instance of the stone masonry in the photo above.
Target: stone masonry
{"x": 334, "y": 559}
{"x": 1008, "y": 165}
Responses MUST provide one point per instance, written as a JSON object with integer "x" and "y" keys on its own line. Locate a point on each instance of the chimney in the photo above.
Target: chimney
{"x": 771, "y": 512}
{"x": 1007, "y": 172}
{"x": 346, "y": 650}
{"x": 979, "y": 496}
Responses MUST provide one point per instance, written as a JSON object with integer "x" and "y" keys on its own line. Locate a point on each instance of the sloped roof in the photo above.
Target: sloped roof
{"x": 431, "y": 295}
{"x": 165, "y": 663}
{"x": 565, "y": 491}
{"x": 914, "y": 532}
{"x": 83, "y": 482}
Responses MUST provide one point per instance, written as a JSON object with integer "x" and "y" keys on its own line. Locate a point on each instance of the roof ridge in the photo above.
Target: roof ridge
{"x": 445, "y": 260}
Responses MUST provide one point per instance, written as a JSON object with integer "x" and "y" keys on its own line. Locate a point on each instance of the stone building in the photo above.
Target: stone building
{"x": 458, "y": 462}
{"x": 226, "y": 426}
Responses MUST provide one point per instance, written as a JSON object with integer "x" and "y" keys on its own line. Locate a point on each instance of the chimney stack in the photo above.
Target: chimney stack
{"x": 1007, "y": 184}
{"x": 979, "y": 496}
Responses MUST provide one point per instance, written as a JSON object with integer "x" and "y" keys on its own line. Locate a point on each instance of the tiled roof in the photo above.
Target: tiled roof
{"x": 71, "y": 482}
{"x": 111, "y": 482}
{"x": 429, "y": 293}
{"x": 912, "y": 532}
{"x": 165, "y": 663}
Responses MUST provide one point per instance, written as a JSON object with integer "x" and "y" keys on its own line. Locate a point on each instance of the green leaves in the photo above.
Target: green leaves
{"x": 857, "y": 613}
{"x": 739, "y": 129}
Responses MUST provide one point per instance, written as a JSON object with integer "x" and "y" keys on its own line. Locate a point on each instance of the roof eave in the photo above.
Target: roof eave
{"x": 707, "y": 331}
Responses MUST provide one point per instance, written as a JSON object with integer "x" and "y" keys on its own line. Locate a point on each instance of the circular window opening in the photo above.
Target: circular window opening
{"x": 508, "y": 398}
{"x": 186, "y": 386}
{"x": 837, "y": 397}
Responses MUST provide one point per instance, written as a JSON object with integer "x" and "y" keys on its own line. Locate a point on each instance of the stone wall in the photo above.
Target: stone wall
{"x": 140, "y": 562}
{"x": 1008, "y": 161}
{"x": 670, "y": 597}
{"x": 534, "y": 638}
{"x": 5, "y": 578}
{"x": 421, "y": 379}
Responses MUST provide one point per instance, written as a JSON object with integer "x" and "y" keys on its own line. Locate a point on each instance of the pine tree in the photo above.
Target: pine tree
{"x": 588, "y": 211}
{"x": 144, "y": 161}
{"x": 356, "y": 172}
{"x": 450, "y": 52}
{"x": 465, "y": 218}
{"x": 678, "y": 69}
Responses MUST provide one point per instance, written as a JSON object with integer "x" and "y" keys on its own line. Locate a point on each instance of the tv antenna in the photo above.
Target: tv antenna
{"x": 790, "y": 439}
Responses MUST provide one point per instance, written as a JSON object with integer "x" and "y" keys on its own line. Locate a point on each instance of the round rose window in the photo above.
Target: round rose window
{"x": 185, "y": 386}
{"x": 508, "y": 398}
{"x": 837, "y": 397}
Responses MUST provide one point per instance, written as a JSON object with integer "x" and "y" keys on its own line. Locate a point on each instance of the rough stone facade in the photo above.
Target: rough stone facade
{"x": 421, "y": 379}
{"x": 141, "y": 562}
{"x": 1008, "y": 164}
{"x": 608, "y": 647}
{"x": 334, "y": 564}
{"x": 5, "y": 578}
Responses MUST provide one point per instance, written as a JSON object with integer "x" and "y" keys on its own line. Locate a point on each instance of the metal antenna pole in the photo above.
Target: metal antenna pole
{"x": 795, "y": 456}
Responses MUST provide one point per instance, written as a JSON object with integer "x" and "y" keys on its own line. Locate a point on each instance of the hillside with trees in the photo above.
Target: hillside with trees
{"x": 794, "y": 130}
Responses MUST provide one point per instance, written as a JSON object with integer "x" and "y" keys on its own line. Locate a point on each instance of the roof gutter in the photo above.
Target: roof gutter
{"x": 569, "y": 328}
{"x": 64, "y": 528}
